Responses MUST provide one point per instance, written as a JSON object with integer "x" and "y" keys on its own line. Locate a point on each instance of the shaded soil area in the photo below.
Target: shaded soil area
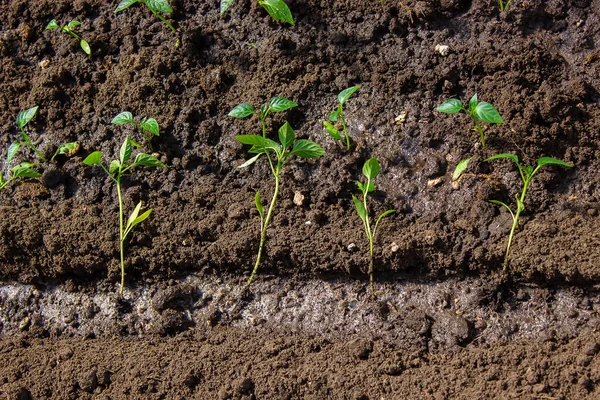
{"x": 67, "y": 334}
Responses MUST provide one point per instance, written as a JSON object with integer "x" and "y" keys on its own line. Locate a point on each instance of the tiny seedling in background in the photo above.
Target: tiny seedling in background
{"x": 527, "y": 173}
{"x": 460, "y": 168}
{"x": 370, "y": 170}
{"x": 116, "y": 169}
{"x": 503, "y": 5}
{"x": 156, "y": 6}
{"x": 69, "y": 29}
{"x": 277, "y": 154}
{"x": 276, "y": 104}
{"x": 338, "y": 115}
{"x": 277, "y": 9}
{"x": 23, "y": 170}
{"x": 478, "y": 111}
{"x": 147, "y": 126}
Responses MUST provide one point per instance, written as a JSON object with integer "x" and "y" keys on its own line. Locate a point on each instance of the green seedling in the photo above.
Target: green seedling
{"x": 338, "y": 115}
{"x": 156, "y": 6}
{"x": 527, "y": 173}
{"x": 478, "y": 111}
{"x": 370, "y": 170}
{"x": 23, "y": 170}
{"x": 115, "y": 170}
{"x": 460, "y": 168}
{"x": 277, "y": 9}
{"x": 147, "y": 126}
{"x": 23, "y": 119}
{"x": 503, "y": 5}
{"x": 276, "y": 104}
{"x": 277, "y": 154}
{"x": 69, "y": 29}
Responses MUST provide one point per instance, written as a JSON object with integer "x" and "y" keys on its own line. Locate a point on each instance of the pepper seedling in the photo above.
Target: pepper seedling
{"x": 276, "y": 104}
{"x": 277, "y": 9}
{"x": 147, "y": 126}
{"x": 370, "y": 171}
{"x": 527, "y": 173}
{"x": 478, "y": 111}
{"x": 156, "y": 6}
{"x": 338, "y": 115}
{"x": 68, "y": 28}
{"x": 277, "y": 154}
{"x": 23, "y": 170}
{"x": 116, "y": 169}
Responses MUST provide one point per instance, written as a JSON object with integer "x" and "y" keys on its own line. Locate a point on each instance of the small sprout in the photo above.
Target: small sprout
{"x": 478, "y": 111}
{"x": 23, "y": 170}
{"x": 338, "y": 115}
{"x": 156, "y": 6}
{"x": 277, "y": 154}
{"x": 147, "y": 126}
{"x": 527, "y": 173}
{"x": 68, "y": 149}
{"x": 503, "y": 5}
{"x": 69, "y": 29}
{"x": 370, "y": 171}
{"x": 460, "y": 168}
{"x": 277, "y": 9}
{"x": 276, "y": 104}
{"x": 115, "y": 170}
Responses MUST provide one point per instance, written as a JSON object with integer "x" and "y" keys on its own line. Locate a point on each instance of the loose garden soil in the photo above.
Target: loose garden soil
{"x": 441, "y": 325}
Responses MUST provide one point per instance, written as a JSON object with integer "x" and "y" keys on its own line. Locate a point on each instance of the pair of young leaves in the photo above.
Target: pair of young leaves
{"x": 23, "y": 170}
{"x": 276, "y": 104}
{"x": 338, "y": 114}
{"x": 69, "y": 29}
{"x": 156, "y": 6}
{"x": 277, "y": 9}
{"x": 146, "y": 124}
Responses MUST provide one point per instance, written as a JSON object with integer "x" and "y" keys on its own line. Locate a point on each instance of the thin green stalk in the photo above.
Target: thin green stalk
{"x": 164, "y": 20}
{"x": 370, "y": 236}
{"x": 520, "y": 208}
{"x": 121, "y": 238}
{"x": 479, "y": 129}
{"x": 345, "y": 128}
{"x": 31, "y": 146}
{"x": 264, "y": 126}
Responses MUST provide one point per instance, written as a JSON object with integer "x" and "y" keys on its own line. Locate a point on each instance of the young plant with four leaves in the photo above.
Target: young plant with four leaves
{"x": 478, "y": 111}
{"x": 156, "y": 6}
{"x": 370, "y": 171}
{"x": 69, "y": 30}
{"x": 527, "y": 173}
{"x": 23, "y": 170}
{"x": 277, "y": 155}
{"x": 277, "y": 9}
{"x": 338, "y": 115}
{"x": 116, "y": 169}
{"x": 276, "y": 104}
{"x": 147, "y": 126}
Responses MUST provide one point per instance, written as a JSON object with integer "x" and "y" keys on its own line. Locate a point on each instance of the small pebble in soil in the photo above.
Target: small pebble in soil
{"x": 352, "y": 247}
{"x": 442, "y": 49}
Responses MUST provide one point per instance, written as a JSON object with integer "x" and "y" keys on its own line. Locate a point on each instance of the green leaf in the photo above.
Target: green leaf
{"x": 251, "y": 161}
{"x": 126, "y": 150}
{"x": 451, "y": 106}
{"x": 307, "y": 149}
{"x": 286, "y": 135}
{"x": 383, "y": 214}
{"x": 278, "y": 10}
{"x": 241, "y": 111}
{"x": 142, "y": 217}
{"x": 360, "y": 208}
{"x": 225, "y": 4}
{"x": 159, "y": 5}
{"x": 371, "y": 168}
{"x": 346, "y": 93}
{"x": 68, "y": 148}
{"x": 334, "y": 116}
{"x": 12, "y": 151}
{"x": 86, "y": 47}
{"x": 259, "y": 143}
{"x": 93, "y": 159}
{"x": 505, "y": 155}
{"x": 73, "y": 24}
{"x": 146, "y": 160}
{"x": 473, "y": 102}
{"x": 258, "y": 204}
{"x": 332, "y": 130}
{"x": 369, "y": 189}
{"x": 125, "y": 4}
{"x": 25, "y": 170}
{"x": 114, "y": 167}
{"x": 123, "y": 118}
{"x": 553, "y": 161}
{"x": 279, "y": 104}
{"x": 460, "y": 168}
{"x": 24, "y": 117}
{"x": 134, "y": 214}
{"x": 52, "y": 25}
{"x": 487, "y": 113}
{"x": 151, "y": 126}
{"x": 499, "y": 203}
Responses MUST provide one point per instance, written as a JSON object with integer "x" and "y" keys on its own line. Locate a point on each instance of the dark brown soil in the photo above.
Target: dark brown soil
{"x": 538, "y": 63}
